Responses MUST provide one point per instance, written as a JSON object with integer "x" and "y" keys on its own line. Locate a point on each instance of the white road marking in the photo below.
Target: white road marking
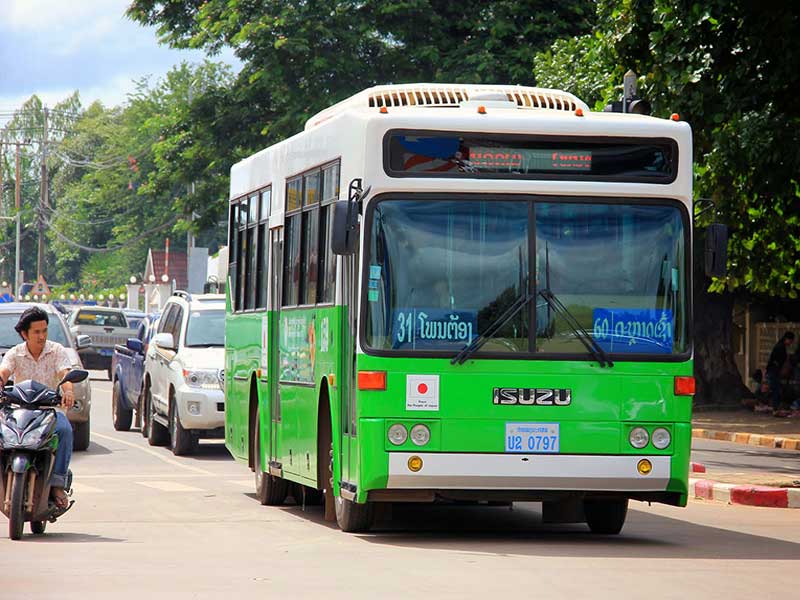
{"x": 157, "y": 454}
{"x": 169, "y": 486}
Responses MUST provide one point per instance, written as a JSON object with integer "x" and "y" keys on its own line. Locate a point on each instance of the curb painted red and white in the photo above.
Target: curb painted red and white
{"x": 751, "y": 439}
{"x": 751, "y": 495}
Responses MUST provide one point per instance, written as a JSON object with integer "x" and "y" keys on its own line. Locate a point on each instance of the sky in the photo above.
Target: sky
{"x": 53, "y": 47}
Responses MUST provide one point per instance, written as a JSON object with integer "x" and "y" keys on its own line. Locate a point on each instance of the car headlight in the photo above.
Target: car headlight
{"x": 398, "y": 434}
{"x": 639, "y": 437}
{"x": 661, "y": 438}
{"x": 207, "y": 379}
{"x": 420, "y": 434}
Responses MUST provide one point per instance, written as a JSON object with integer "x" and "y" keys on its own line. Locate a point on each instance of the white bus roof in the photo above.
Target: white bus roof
{"x": 441, "y": 95}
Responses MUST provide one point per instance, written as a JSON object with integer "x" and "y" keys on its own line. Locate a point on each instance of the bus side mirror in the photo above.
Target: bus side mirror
{"x": 344, "y": 236}
{"x": 716, "y": 253}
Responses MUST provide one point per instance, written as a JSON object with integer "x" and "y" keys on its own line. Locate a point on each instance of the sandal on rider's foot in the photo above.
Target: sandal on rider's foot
{"x": 60, "y": 499}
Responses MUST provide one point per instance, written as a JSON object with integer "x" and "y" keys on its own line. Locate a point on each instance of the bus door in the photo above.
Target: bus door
{"x": 276, "y": 278}
{"x": 349, "y": 447}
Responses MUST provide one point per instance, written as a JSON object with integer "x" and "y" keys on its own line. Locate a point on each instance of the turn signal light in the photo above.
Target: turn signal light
{"x": 684, "y": 386}
{"x": 414, "y": 464}
{"x": 372, "y": 380}
{"x": 644, "y": 467}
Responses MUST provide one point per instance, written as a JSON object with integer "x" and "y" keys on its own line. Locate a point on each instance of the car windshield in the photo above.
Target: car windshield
{"x": 9, "y": 337}
{"x": 440, "y": 273}
{"x": 100, "y": 318}
{"x": 205, "y": 328}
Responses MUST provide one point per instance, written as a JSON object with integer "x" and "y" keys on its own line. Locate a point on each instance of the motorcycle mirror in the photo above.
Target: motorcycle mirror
{"x": 74, "y": 376}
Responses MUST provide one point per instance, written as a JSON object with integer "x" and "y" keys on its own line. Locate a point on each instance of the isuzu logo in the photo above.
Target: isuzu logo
{"x": 532, "y": 396}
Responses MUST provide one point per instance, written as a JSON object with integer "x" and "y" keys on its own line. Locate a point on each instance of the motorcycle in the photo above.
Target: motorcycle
{"x": 27, "y": 453}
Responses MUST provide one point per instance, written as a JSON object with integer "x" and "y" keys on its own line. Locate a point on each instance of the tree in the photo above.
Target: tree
{"x": 732, "y": 69}
{"x": 300, "y": 57}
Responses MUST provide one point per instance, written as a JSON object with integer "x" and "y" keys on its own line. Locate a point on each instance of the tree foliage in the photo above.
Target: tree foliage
{"x": 732, "y": 70}
{"x": 300, "y": 57}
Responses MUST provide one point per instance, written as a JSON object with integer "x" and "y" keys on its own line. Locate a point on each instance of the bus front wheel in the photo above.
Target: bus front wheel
{"x": 605, "y": 516}
{"x": 353, "y": 517}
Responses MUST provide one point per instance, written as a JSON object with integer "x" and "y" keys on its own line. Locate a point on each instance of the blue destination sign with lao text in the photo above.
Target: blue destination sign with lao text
{"x": 639, "y": 330}
{"x": 416, "y": 328}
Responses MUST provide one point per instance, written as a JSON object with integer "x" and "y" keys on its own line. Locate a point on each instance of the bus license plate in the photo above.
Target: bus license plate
{"x": 532, "y": 437}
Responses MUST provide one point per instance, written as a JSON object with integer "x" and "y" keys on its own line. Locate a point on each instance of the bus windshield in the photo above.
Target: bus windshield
{"x": 439, "y": 272}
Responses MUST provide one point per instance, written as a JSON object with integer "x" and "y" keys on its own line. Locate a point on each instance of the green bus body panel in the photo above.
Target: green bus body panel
{"x": 295, "y": 433}
{"x": 606, "y": 403}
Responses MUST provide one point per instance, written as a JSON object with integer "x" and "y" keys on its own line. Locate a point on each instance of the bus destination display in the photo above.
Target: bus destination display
{"x": 447, "y": 154}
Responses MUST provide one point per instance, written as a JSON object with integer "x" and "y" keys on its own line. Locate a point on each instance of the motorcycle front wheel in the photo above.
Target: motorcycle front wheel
{"x": 16, "y": 516}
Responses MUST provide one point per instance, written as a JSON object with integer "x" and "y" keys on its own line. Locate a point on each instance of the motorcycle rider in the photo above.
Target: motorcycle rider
{"x": 47, "y": 362}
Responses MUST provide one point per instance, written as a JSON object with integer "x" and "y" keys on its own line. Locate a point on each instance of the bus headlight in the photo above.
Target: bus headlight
{"x": 639, "y": 437}
{"x": 661, "y": 438}
{"x": 420, "y": 434}
{"x": 398, "y": 434}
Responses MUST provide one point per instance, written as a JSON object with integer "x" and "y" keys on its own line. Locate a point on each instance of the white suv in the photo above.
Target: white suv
{"x": 183, "y": 377}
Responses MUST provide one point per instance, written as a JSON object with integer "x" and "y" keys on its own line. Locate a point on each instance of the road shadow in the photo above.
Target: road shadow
{"x": 732, "y": 460}
{"x": 94, "y": 449}
{"x": 69, "y": 538}
{"x": 501, "y": 531}
{"x": 211, "y": 451}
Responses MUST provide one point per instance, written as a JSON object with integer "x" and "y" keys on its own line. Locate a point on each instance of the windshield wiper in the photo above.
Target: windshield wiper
{"x": 498, "y": 323}
{"x": 584, "y": 336}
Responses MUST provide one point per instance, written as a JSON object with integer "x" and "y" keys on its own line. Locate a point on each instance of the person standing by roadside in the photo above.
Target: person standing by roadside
{"x": 775, "y": 365}
{"x": 39, "y": 359}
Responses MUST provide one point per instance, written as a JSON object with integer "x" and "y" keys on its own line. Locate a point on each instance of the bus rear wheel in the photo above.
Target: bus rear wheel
{"x": 353, "y": 517}
{"x": 605, "y": 516}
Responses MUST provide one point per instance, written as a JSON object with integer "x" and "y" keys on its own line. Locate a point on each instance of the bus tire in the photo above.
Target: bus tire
{"x": 270, "y": 490}
{"x": 353, "y": 517}
{"x": 605, "y": 516}
{"x": 121, "y": 417}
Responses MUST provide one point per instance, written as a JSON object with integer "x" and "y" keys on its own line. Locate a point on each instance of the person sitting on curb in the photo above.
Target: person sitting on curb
{"x": 39, "y": 359}
{"x": 775, "y": 365}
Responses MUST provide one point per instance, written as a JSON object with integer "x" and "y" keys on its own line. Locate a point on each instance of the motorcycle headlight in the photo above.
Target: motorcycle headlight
{"x": 207, "y": 379}
{"x": 7, "y": 435}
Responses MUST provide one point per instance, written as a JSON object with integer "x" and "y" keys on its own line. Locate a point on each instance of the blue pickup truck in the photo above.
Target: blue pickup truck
{"x": 127, "y": 371}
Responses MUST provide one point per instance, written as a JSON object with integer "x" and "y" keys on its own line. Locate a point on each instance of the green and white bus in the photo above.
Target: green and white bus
{"x": 464, "y": 293}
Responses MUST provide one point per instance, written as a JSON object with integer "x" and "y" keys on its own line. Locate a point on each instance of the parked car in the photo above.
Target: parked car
{"x": 57, "y": 331}
{"x": 107, "y": 327}
{"x": 135, "y": 317}
{"x": 127, "y": 366}
{"x": 183, "y": 381}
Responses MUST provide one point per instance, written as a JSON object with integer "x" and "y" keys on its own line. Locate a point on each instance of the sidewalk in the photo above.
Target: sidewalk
{"x": 754, "y": 488}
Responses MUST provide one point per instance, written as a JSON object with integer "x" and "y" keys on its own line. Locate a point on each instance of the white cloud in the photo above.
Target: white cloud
{"x": 36, "y": 15}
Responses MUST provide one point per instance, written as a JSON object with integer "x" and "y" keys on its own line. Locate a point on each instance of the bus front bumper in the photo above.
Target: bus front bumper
{"x": 562, "y": 472}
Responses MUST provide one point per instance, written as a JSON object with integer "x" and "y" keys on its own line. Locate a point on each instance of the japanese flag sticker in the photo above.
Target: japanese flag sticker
{"x": 422, "y": 392}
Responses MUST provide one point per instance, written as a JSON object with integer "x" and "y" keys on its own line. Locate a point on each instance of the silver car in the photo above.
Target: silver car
{"x": 57, "y": 331}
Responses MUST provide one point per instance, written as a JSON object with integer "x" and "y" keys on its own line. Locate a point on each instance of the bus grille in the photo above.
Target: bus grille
{"x": 454, "y": 95}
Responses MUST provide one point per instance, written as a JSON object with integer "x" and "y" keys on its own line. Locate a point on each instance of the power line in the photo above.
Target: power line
{"x": 127, "y": 243}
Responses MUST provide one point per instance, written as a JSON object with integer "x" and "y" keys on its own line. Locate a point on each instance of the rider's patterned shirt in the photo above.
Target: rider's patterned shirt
{"x": 52, "y": 361}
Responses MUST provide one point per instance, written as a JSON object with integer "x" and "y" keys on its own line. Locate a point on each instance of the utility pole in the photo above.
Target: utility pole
{"x": 44, "y": 200}
{"x": 17, "y": 203}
